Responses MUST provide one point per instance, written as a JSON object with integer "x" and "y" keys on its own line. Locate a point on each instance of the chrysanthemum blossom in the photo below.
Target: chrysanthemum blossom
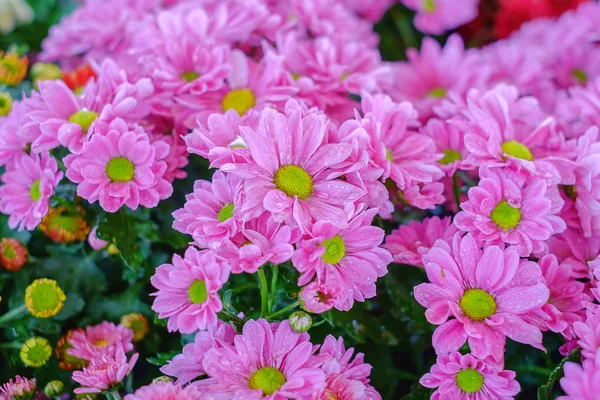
{"x": 209, "y": 214}
{"x": 188, "y": 290}
{"x": 19, "y": 388}
{"x": 450, "y": 142}
{"x": 509, "y": 207}
{"x": 11, "y": 145}
{"x": 288, "y": 173}
{"x": 102, "y": 339}
{"x": 264, "y": 362}
{"x": 573, "y": 249}
{"x": 410, "y": 242}
{"x": 465, "y": 377}
{"x": 588, "y": 332}
{"x": 165, "y": 390}
{"x": 581, "y": 382}
{"x": 28, "y": 184}
{"x": 121, "y": 167}
{"x": 349, "y": 258}
{"x": 105, "y": 372}
{"x": 488, "y": 293}
{"x": 319, "y": 298}
{"x": 437, "y": 16}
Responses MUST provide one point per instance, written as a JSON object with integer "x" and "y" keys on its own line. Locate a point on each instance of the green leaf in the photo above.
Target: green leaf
{"x": 73, "y": 272}
{"x": 162, "y": 358}
{"x": 123, "y": 228}
{"x": 545, "y": 392}
{"x": 417, "y": 392}
{"x": 115, "y": 306}
{"x": 73, "y": 305}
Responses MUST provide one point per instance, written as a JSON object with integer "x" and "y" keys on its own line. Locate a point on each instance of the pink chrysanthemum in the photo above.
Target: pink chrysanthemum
{"x": 489, "y": 293}
{"x": 410, "y": 242}
{"x": 581, "y": 382}
{"x": 288, "y": 174}
{"x": 19, "y": 388}
{"x": 28, "y": 184}
{"x": 437, "y": 16}
{"x": 104, "y": 372}
{"x": 349, "y": 258}
{"x": 188, "y": 290}
{"x": 163, "y": 391}
{"x": 319, "y": 298}
{"x": 102, "y": 339}
{"x": 573, "y": 249}
{"x": 11, "y": 145}
{"x": 265, "y": 362}
{"x": 187, "y": 366}
{"x": 120, "y": 167}
{"x": 465, "y": 377}
{"x": 450, "y": 142}
{"x": 372, "y": 10}
{"x": 588, "y": 332}
{"x": 508, "y": 207}
{"x": 177, "y": 158}
{"x": 211, "y": 212}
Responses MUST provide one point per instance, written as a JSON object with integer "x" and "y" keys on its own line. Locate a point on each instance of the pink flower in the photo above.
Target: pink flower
{"x": 372, "y": 10}
{"x": 120, "y": 167}
{"x": 588, "y": 332}
{"x": 19, "y": 388}
{"x": 437, "y": 16}
{"x": 450, "y": 142}
{"x": 581, "y": 382}
{"x": 574, "y": 250}
{"x": 265, "y": 361}
{"x": 187, "y": 366}
{"x": 28, "y": 184}
{"x": 489, "y": 293}
{"x": 289, "y": 172}
{"x": 465, "y": 377}
{"x": 165, "y": 390}
{"x": 410, "y": 242}
{"x": 586, "y": 101}
{"x": 508, "y": 207}
{"x": 95, "y": 242}
{"x": 11, "y": 145}
{"x": 349, "y": 258}
{"x": 211, "y": 212}
{"x": 320, "y": 298}
{"x": 177, "y": 158}
{"x": 188, "y": 290}
{"x": 429, "y": 75}
{"x": 104, "y": 372}
{"x": 102, "y": 339}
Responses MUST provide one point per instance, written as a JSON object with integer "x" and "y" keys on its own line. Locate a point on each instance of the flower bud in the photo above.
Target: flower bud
{"x": 36, "y": 352}
{"x": 54, "y": 388}
{"x": 137, "y": 323}
{"x": 13, "y": 255}
{"x": 300, "y": 321}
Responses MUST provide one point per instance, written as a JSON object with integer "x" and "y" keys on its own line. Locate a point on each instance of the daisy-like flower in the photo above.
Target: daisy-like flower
{"x": 509, "y": 207}
{"x": 165, "y": 390}
{"x": 319, "y": 298}
{"x": 66, "y": 361}
{"x": 177, "y": 158}
{"x": 573, "y": 249}
{"x": 104, "y": 372}
{"x": 20, "y": 389}
{"x": 438, "y": 16}
{"x": 44, "y": 298}
{"x": 188, "y": 290}
{"x": 489, "y": 293}
{"x": 588, "y": 332}
{"x": 29, "y": 181}
{"x": 137, "y": 323}
{"x": 102, "y": 339}
{"x": 13, "y": 254}
{"x": 288, "y": 174}
{"x": 35, "y": 352}
{"x": 349, "y": 258}
{"x": 264, "y": 362}
{"x": 11, "y": 145}
{"x": 581, "y": 382}
{"x": 450, "y": 142}
{"x": 209, "y": 214}
{"x": 13, "y": 68}
{"x": 410, "y": 242}
{"x": 464, "y": 377}
{"x": 121, "y": 167}
{"x": 64, "y": 225}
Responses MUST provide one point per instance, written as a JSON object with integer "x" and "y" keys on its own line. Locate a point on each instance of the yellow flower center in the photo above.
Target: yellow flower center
{"x": 189, "y": 76}
{"x": 450, "y": 156}
{"x": 84, "y": 119}
{"x": 241, "y": 100}
{"x": 120, "y": 169}
{"x": 35, "y": 191}
{"x": 101, "y": 342}
{"x": 437, "y": 93}
{"x": 388, "y": 155}
{"x": 225, "y": 213}
{"x": 5, "y": 104}
{"x": 293, "y": 181}
{"x": 335, "y": 250}
{"x": 506, "y": 216}
{"x": 517, "y": 150}
{"x": 267, "y": 379}
{"x": 469, "y": 380}
{"x": 477, "y": 304}
{"x": 198, "y": 292}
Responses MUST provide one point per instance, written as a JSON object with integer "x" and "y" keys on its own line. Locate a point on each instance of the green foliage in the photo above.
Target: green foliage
{"x": 546, "y": 391}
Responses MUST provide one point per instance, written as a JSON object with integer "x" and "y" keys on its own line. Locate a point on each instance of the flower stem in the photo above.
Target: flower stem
{"x": 114, "y": 395}
{"x": 13, "y": 314}
{"x": 283, "y": 310}
{"x": 273, "y": 292}
{"x": 264, "y": 291}
{"x": 11, "y": 345}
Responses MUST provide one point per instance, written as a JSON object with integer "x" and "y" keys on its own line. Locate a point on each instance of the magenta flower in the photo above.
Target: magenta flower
{"x": 581, "y": 382}
{"x": 574, "y": 250}
{"x": 489, "y": 293}
{"x": 450, "y": 142}
{"x": 588, "y": 332}
{"x": 288, "y": 174}
{"x": 438, "y": 16}
{"x": 102, "y": 339}
{"x": 264, "y": 362}
{"x": 11, "y": 145}
{"x": 410, "y": 242}
{"x": 121, "y": 167}
{"x": 508, "y": 207}
{"x": 188, "y": 290}
{"x": 165, "y": 390}
{"x": 104, "y": 372}
{"x": 465, "y": 377}
{"x": 211, "y": 212}
{"x": 19, "y": 388}
{"x": 320, "y": 298}
{"x": 28, "y": 184}
{"x": 348, "y": 258}
{"x": 177, "y": 158}
{"x": 94, "y": 241}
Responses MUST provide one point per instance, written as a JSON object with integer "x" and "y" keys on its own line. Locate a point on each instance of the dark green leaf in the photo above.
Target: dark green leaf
{"x": 546, "y": 391}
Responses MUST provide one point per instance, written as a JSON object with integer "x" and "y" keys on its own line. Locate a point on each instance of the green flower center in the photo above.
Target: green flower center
{"x": 517, "y": 150}
{"x": 240, "y": 100}
{"x": 225, "y": 213}
{"x": 189, "y": 76}
{"x": 506, "y": 216}
{"x": 450, "y": 156}
{"x": 36, "y": 352}
{"x": 429, "y": 5}
{"x": 70, "y": 223}
{"x": 5, "y": 104}
{"x": 469, "y": 380}
{"x": 570, "y": 191}
{"x": 335, "y": 250}
{"x": 437, "y": 93}
{"x": 580, "y": 76}
{"x": 198, "y": 292}
{"x": 45, "y": 296}
{"x": 477, "y": 304}
{"x": 267, "y": 379}
{"x": 120, "y": 169}
{"x": 293, "y": 181}
{"x": 8, "y": 251}
{"x": 35, "y": 191}
{"x": 388, "y": 155}
{"x": 84, "y": 119}
{"x": 296, "y": 76}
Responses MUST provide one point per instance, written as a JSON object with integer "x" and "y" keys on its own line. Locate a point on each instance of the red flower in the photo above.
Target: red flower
{"x": 77, "y": 79}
